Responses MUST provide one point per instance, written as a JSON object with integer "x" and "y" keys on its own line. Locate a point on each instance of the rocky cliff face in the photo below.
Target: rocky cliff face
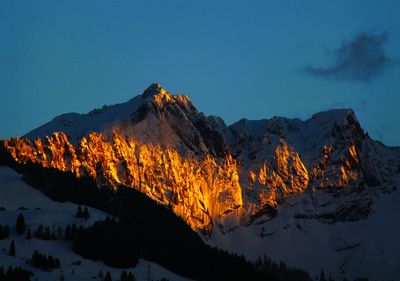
{"x": 213, "y": 175}
{"x": 198, "y": 190}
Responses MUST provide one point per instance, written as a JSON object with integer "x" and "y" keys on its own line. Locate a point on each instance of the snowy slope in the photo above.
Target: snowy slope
{"x": 14, "y": 193}
{"x": 78, "y": 125}
{"x": 367, "y": 247}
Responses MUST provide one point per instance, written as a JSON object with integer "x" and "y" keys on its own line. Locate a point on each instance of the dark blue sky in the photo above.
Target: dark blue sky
{"x": 235, "y": 59}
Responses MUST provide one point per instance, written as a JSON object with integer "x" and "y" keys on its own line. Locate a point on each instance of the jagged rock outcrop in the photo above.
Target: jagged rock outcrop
{"x": 198, "y": 190}
{"x": 214, "y": 175}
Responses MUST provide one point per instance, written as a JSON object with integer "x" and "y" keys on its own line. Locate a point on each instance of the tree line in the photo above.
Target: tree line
{"x": 15, "y": 274}
{"x": 43, "y": 261}
{"x": 4, "y": 232}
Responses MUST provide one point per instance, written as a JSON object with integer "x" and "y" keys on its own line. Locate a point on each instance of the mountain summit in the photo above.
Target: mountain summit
{"x": 268, "y": 179}
{"x": 153, "y": 90}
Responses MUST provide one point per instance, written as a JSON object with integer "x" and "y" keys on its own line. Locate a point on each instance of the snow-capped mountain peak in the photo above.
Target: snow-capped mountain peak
{"x": 154, "y": 90}
{"x": 76, "y": 125}
{"x": 269, "y": 174}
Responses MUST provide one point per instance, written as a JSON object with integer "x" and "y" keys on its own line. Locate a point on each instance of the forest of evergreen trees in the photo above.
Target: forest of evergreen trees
{"x": 4, "y": 232}
{"x": 109, "y": 241}
{"x": 82, "y": 213}
{"x": 15, "y": 274}
{"x": 44, "y": 262}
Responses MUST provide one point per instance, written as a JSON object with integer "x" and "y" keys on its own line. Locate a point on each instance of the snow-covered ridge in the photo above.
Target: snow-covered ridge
{"x": 77, "y": 125}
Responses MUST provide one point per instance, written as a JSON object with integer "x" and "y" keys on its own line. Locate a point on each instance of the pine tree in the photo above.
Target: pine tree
{"x": 11, "y": 252}
{"x": 100, "y": 275}
{"x": 67, "y": 233}
{"x": 39, "y": 231}
{"x": 60, "y": 232}
{"x": 107, "y": 277}
{"x": 20, "y": 227}
{"x": 47, "y": 233}
{"x": 79, "y": 212}
{"x": 6, "y": 230}
{"x": 322, "y": 276}
{"x": 131, "y": 277}
{"x": 86, "y": 214}
{"x": 124, "y": 276}
{"x": 74, "y": 230}
{"x": 9, "y": 270}
{"x": 148, "y": 273}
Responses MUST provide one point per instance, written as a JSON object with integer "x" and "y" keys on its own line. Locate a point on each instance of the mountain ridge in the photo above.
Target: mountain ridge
{"x": 221, "y": 178}
{"x": 272, "y": 158}
{"x": 160, "y": 95}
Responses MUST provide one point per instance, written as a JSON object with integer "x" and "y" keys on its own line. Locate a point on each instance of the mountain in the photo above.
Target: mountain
{"x": 311, "y": 193}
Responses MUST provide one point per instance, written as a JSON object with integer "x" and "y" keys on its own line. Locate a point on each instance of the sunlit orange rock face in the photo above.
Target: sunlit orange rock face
{"x": 199, "y": 191}
{"x": 209, "y": 174}
{"x": 348, "y": 167}
{"x": 204, "y": 191}
{"x": 283, "y": 175}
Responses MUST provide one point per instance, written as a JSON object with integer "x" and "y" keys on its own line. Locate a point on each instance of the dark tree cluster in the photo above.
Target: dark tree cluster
{"x": 12, "y": 250}
{"x": 20, "y": 226}
{"x": 47, "y": 233}
{"x": 163, "y": 238}
{"x": 322, "y": 277}
{"x": 70, "y": 232}
{"x": 4, "y": 232}
{"x": 55, "y": 233}
{"x": 15, "y": 274}
{"x": 82, "y": 214}
{"x": 107, "y": 277}
{"x": 109, "y": 241}
{"x": 44, "y": 262}
{"x": 279, "y": 271}
{"x": 127, "y": 276}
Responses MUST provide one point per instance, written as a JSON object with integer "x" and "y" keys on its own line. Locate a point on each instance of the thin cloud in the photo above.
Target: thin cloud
{"x": 361, "y": 59}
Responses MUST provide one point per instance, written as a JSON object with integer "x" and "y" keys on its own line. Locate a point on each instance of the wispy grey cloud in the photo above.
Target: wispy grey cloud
{"x": 360, "y": 59}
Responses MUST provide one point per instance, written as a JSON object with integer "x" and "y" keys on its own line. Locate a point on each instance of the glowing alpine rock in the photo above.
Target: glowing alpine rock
{"x": 211, "y": 174}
